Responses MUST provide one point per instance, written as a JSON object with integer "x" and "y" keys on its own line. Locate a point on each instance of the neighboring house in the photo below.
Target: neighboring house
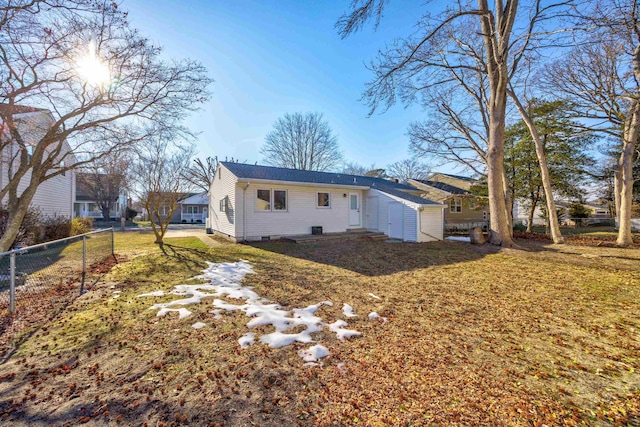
{"x": 54, "y": 196}
{"x": 84, "y": 206}
{"x": 598, "y": 213}
{"x": 463, "y": 208}
{"x": 251, "y": 202}
{"x": 194, "y": 207}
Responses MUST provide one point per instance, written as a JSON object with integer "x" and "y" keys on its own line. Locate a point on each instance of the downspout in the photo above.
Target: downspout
{"x": 244, "y": 187}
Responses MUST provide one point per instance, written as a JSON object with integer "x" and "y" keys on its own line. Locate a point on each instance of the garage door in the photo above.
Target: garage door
{"x": 395, "y": 220}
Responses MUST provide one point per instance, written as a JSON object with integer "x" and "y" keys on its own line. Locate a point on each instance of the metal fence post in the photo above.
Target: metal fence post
{"x": 84, "y": 254}
{"x": 113, "y": 246}
{"x": 12, "y": 282}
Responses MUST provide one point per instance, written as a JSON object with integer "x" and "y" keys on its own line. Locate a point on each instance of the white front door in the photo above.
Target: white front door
{"x": 395, "y": 220}
{"x": 354, "y": 209}
{"x": 372, "y": 213}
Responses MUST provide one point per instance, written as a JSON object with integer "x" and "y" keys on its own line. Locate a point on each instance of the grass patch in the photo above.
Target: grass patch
{"x": 475, "y": 336}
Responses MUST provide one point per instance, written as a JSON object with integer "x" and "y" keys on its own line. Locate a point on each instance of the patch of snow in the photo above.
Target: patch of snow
{"x": 458, "y": 239}
{"x": 280, "y": 339}
{"x": 373, "y": 315}
{"x": 152, "y": 294}
{"x": 373, "y": 296}
{"x": 341, "y": 333}
{"x": 314, "y": 353}
{"x": 246, "y": 340}
{"x": 225, "y": 280}
{"x": 183, "y": 312}
{"x": 198, "y": 325}
{"x": 348, "y": 310}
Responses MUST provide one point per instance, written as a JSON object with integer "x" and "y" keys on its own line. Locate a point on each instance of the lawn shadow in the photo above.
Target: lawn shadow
{"x": 379, "y": 258}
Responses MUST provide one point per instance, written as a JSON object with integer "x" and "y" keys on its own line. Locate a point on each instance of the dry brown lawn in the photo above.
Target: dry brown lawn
{"x": 548, "y": 335}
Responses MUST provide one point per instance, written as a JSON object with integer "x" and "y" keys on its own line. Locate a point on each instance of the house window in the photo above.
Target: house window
{"x": 30, "y": 149}
{"x": 264, "y": 198}
{"x": 192, "y": 210}
{"x": 455, "y": 205}
{"x": 64, "y": 173}
{"x": 164, "y": 210}
{"x": 279, "y": 200}
{"x": 224, "y": 204}
{"x": 324, "y": 200}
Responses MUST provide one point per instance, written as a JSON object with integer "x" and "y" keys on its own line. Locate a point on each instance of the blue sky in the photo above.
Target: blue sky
{"x": 271, "y": 57}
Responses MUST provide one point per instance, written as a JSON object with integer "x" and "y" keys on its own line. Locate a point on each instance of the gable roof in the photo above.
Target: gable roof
{"x": 443, "y": 186}
{"x": 460, "y": 177}
{"x": 270, "y": 173}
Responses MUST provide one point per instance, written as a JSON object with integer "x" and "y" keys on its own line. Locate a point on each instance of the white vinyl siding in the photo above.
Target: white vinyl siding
{"x": 223, "y": 185}
{"x": 54, "y": 196}
{"x": 430, "y": 224}
{"x": 301, "y": 214}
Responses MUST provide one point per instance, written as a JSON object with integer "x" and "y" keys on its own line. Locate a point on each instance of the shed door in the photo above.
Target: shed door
{"x": 395, "y": 220}
{"x": 372, "y": 213}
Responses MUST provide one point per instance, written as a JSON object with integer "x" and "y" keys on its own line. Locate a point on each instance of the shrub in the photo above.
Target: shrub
{"x": 518, "y": 226}
{"x": 30, "y": 229}
{"x": 130, "y": 214}
{"x": 81, "y": 225}
{"x": 54, "y": 228}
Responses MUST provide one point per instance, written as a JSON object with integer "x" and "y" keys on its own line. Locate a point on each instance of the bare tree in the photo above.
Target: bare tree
{"x": 160, "y": 182}
{"x": 602, "y": 80}
{"x": 487, "y": 41}
{"x": 302, "y": 141}
{"x": 105, "y": 179}
{"x": 200, "y": 174}
{"x": 407, "y": 169}
{"x": 99, "y": 83}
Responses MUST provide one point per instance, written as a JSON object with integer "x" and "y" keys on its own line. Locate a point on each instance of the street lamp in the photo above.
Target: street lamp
{"x": 92, "y": 70}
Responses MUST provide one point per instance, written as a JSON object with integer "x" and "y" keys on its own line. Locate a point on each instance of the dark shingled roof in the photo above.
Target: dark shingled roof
{"x": 444, "y": 187}
{"x": 269, "y": 173}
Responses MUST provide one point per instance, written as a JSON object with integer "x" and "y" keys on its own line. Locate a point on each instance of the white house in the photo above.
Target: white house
{"x": 193, "y": 208}
{"x": 85, "y": 206}
{"x": 250, "y": 202}
{"x": 54, "y": 196}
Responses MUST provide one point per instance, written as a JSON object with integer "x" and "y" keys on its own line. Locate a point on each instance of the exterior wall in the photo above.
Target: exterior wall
{"x": 224, "y": 185}
{"x": 430, "y": 226}
{"x": 467, "y": 214}
{"x": 54, "y": 196}
{"x": 409, "y": 215}
{"x": 521, "y": 213}
{"x": 302, "y": 212}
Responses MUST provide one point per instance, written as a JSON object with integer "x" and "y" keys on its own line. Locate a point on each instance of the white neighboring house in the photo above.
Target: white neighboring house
{"x": 86, "y": 207}
{"x": 251, "y": 202}
{"x": 54, "y": 196}
{"x": 194, "y": 208}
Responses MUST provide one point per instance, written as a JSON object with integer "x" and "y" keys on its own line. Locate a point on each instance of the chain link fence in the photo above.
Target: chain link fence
{"x": 49, "y": 272}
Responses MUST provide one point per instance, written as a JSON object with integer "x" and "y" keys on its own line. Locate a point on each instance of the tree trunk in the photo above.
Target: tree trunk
{"x": 532, "y": 210}
{"x": 106, "y": 214}
{"x": 625, "y": 174}
{"x": 552, "y": 214}
{"x": 17, "y": 208}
